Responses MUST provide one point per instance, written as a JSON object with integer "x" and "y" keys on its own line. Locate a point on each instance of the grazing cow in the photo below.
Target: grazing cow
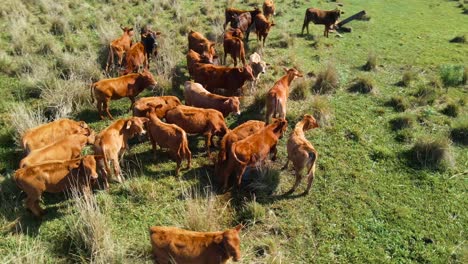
{"x": 254, "y": 149}
{"x": 64, "y": 149}
{"x": 115, "y": 88}
{"x": 301, "y": 152}
{"x": 231, "y": 15}
{"x": 234, "y": 46}
{"x": 258, "y": 66}
{"x": 168, "y": 136}
{"x": 214, "y": 77}
{"x": 196, "y": 95}
{"x": 193, "y": 59}
{"x": 268, "y": 8}
{"x": 148, "y": 38}
{"x": 141, "y": 108}
{"x": 193, "y": 120}
{"x": 201, "y": 45}
{"x": 321, "y": 17}
{"x": 49, "y": 133}
{"x": 262, "y": 27}
{"x": 277, "y": 96}
{"x": 112, "y": 143}
{"x": 240, "y": 132}
{"x": 172, "y": 244}
{"x": 55, "y": 177}
{"x": 119, "y": 46}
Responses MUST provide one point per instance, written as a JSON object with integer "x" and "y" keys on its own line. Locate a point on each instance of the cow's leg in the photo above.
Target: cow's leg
{"x": 273, "y": 151}
{"x": 132, "y": 100}
{"x": 310, "y": 178}
{"x": 117, "y": 171}
{"x": 153, "y": 144}
{"x": 106, "y": 106}
{"x": 298, "y": 180}
{"x": 188, "y": 156}
{"x": 208, "y": 137}
{"x": 178, "y": 163}
{"x": 286, "y": 165}
{"x": 225, "y": 58}
{"x": 239, "y": 173}
{"x": 99, "y": 105}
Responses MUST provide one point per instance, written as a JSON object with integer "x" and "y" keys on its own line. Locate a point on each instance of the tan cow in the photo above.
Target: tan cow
{"x": 116, "y": 88}
{"x": 111, "y": 143}
{"x": 268, "y": 8}
{"x": 55, "y": 177}
{"x": 172, "y": 244}
{"x": 141, "y": 108}
{"x": 65, "y": 149}
{"x": 262, "y": 27}
{"x": 277, "y": 96}
{"x": 119, "y": 46}
{"x": 196, "y": 95}
{"x": 201, "y": 45}
{"x": 49, "y": 133}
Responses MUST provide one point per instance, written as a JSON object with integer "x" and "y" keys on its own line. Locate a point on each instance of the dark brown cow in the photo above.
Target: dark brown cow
{"x": 119, "y": 46}
{"x": 214, "y": 77}
{"x": 234, "y": 46}
{"x": 231, "y": 15}
{"x": 201, "y": 45}
{"x": 321, "y": 17}
{"x": 193, "y": 59}
{"x": 116, "y": 88}
{"x": 196, "y": 95}
{"x": 148, "y": 38}
{"x": 262, "y": 27}
{"x": 141, "y": 108}
{"x": 245, "y": 21}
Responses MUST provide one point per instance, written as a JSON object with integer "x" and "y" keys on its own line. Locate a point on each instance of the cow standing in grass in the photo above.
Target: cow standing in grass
{"x": 321, "y": 17}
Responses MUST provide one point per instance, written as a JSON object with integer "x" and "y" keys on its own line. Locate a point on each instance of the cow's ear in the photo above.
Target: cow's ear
{"x": 227, "y": 101}
{"x": 83, "y": 124}
{"x": 285, "y": 69}
{"x": 74, "y": 164}
{"x": 129, "y": 124}
{"x": 239, "y": 227}
{"x": 218, "y": 239}
{"x": 240, "y": 69}
{"x": 144, "y": 119}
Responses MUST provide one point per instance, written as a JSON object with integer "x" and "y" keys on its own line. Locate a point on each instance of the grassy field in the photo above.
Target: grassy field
{"x": 391, "y": 184}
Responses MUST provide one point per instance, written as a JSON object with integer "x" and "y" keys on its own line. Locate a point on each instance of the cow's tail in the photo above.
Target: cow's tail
{"x": 222, "y": 152}
{"x": 184, "y": 150}
{"x": 241, "y": 50}
{"x": 106, "y": 161}
{"x": 305, "y": 22}
{"x": 92, "y": 88}
{"x": 233, "y": 152}
{"x": 276, "y": 106}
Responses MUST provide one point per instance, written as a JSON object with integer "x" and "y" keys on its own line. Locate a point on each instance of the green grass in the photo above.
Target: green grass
{"x": 369, "y": 202}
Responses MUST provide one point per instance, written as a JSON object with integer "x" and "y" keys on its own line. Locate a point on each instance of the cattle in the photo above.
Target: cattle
{"x": 116, "y": 88}
{"x": 148, "y": 38}
{"x": 234, "y": 46}
{"x": 277, "y": 96}
{"x": 253, "y": 150}
{"x": 231, "y": 15}
{"x": 49, "y": 133}
{"x": 258, "y": 66}
{"x": 262, "y": 27}
{"x": 64, "y": 149}
{"x": 111, "y": 143}
{"x": 119, "y": 46}
{"x": 321, "y": 17}
{"x": 245, "y": 21}
{"x": 194, "y": 59}
{"x": 268, "y": 8}
{"x": 193, "y": 120}
{"x": 201, "y": 45}
{"x": 168, "y": 136}
{"x": 196, "y": 95}
{"x": 301, "y": 152}
{"x": 175, "y": 245}
{"x": 55, "y": 177}
{"x": 214, "y": 77}
{"x": 141, "y": 108}
{"x": 240, "y": 132}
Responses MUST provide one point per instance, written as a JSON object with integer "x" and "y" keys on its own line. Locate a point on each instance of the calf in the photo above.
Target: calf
{"x": 115, "y": 88}
{"x": 112, "y": 143}
{"x": 262, "y": 27}
{"x": 136, "y": 59}
{"x": 231, "y": 15}
{"x": 277, "y": 96}
{"x": 65, "y": 149}
{"x": 141, "y": 108}
{"x": 55, "y": 177}
{"x": 253, "y": 149}
{"x": 119, "y": 46}
{"x": 258, "y": 66}
{"x": 201, "y": 45}
{"x": 268, "y": 8}
{"x": 234, "y": 46}
{"x": 148, "y": 38}
{"x": 244, "y": 22}
{"x": 214, "y": 77}
{"x": 321, "y": 17}
{"x": 242, "y": 131}
{"x": 168, "y": 136}
{"x": 172, "y": 244}
{"x": 49, "y": 133}
{"x": 196, "y": 95}
{"x": 193, "y": 120}
{"x": 194, "y": 59}
{"x": 301, "y": 152}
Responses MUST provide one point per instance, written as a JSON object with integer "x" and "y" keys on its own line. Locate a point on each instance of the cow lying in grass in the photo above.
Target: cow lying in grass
{"x": 196, "y": 95}
{"x": 321, "y": 17}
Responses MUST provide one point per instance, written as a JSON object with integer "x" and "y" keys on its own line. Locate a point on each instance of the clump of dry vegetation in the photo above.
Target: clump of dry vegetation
{"x": 408, "y": 78}
{"x": 371, "y": 63}
{"x": 301, "y": 91}
{"x": 432, "y": 152}
{"x": 22, "y": 118}
{"x": 402, "y": 122}
{"x": 425, "y": 95}
{"x": 321, "y": 110}
{"x": 327, "y": 80}
{"x": 363, "y": 84}
{"x": 399, "y": 103}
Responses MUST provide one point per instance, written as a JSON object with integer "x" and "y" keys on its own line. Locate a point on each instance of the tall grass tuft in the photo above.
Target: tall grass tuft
{"x": 432, "y": 153}
{"x": 301, "y": 91}
{"x": 26, "y": 250}
{"x": 399, "y": 103}
{"x": 459, "y": 132}
{"x": 452, "y": 75}
{"x": 402, "y": 122}
{"x": 321, "y": 110}
{"x": 22, "y": 118}
{"x": 327, "y": 80}
{"x": 425, "y": 95}
{"x": 371, "y": 63}
{"x": 363, "y": 84}
{"x": 408, "y": 77}
{"x": 252, "y": 212}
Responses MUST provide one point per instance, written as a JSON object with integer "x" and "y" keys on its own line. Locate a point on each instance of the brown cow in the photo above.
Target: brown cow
{"x": 234, "y": 46}
{"x": 262, "y": 27}
{"x": 172, "y": 244}
{"x": 201, "y": 45}
{"x": 231, "y": 15}
{"x": 254, "y": 149}
{"x": 245, "y": 21}
{"x": 55, "y": 177}
{"x": 301, "y": 152}
{"x": 240, "y": 132}
{"x": 196, "y": 95}
{"x": 141, "y": 108}
{"x": 168, "y": 136}
{"x": 119, "y": 46}
{"x": 112, "y": 143}
{"x": 49, "y": 133}
{"x": 194, "y": 59}
{"x": 277, "y": 96}
{"x": 193, "y": 120}
{"x": 115, "y": 88}
{"x": 321, "y": 17}
{"x": 268, "y": 8}
{"x": 65, "y": 149}
{"x": 230, "y": 79}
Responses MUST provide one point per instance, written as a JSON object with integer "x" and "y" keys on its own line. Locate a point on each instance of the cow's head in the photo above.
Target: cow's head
{"x": 231, "y": 242}
{"x": 337, "y": 12}
{"x": 279, "y": 126}
{"x": 147, "y": 79}
{"x": 309, "y": 122}
{"x": 235, "y": 32}
{"x": 135, "y": 126}
{"x": 89, "y": 165}
{"x": 91, "y": 138}
{"x": 127, "y": 30}
{"x": 247, "y": 72}
{"x": 258, "y": 66}
{"x": 292, "y": 73}
{"x": 268, "y": 27}
{"x": 233, "y": 105}
{"x": 84, "y": 129}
